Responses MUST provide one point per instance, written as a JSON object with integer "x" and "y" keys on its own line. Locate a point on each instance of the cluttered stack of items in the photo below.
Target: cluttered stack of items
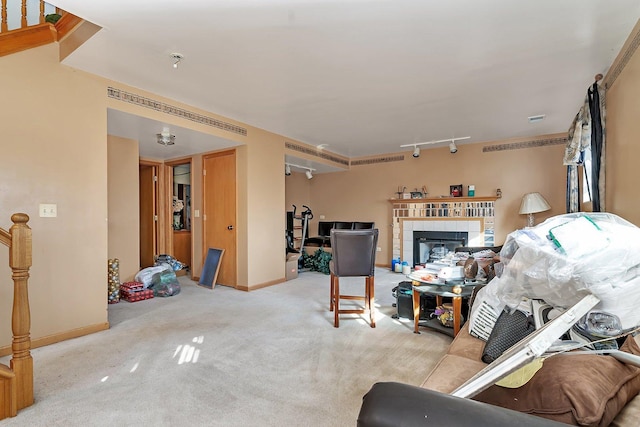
{"x": 550, "y": 267}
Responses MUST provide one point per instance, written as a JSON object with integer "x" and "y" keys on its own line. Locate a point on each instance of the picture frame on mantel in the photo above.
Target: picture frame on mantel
{"x": 455, "y": 190}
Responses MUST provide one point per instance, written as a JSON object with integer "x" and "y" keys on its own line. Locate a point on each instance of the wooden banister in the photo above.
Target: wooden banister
{"x": 16, "y": 391}
{"x": 32, "y": 35}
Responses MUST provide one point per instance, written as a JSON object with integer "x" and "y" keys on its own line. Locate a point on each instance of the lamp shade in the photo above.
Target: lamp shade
{"x": 532, "y": 203}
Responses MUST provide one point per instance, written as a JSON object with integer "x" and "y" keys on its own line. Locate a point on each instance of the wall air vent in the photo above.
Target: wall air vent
{"x": 152, "y": 104}
{"x": 376, "y": 160}
{"x": 314, "y": 152}
{"x": 536, "y": 119}
{"x": 525, "y": 144}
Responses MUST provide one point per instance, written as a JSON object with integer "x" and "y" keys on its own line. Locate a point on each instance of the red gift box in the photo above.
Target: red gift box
{"x": 134, "y": 291}
{"x": 132, "y": 286}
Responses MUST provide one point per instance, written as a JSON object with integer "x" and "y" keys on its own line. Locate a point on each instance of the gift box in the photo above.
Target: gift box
{"x": 134, "y": 291}
{"x": 132, "y": 286}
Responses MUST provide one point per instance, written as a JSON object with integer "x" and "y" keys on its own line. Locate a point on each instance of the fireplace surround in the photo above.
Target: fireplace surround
{"x": 472, "y": 215}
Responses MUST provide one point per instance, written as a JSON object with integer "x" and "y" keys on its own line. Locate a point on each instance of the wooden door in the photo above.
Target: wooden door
{"x": 219, "y": 205}
{"x": 148, "y": 224}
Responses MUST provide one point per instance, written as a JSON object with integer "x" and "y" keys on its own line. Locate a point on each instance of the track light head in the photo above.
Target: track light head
{"x": 287, "y": 170}
{"x": 416, "y": 152}
{"x": 309, "y": 174}
{"x": 452, "y": 147}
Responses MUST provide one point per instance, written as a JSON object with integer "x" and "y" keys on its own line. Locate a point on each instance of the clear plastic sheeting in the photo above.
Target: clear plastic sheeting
{"x": 565, "y": 258}
{"x": 161, "y": 279}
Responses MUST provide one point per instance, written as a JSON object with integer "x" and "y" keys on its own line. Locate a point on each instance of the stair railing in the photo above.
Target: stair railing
{"x": 22, "y": 7}
{"x": 17, "y": 379}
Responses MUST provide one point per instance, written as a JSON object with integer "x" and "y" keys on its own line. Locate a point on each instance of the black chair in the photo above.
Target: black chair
{"x": 354, "y": 254}
{"x": 363, "y": 225}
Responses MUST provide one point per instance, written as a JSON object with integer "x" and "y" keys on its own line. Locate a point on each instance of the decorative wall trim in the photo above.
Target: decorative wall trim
{"x": 315, "y": 153}
{"x": 525, "y": 144}
{"x": 385, "y": 159}
{"x": 132, "y": 98}
{"x": 613, "y": 74}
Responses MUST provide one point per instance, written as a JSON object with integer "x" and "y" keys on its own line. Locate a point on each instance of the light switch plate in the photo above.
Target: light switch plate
{"x": 48, "y": 210}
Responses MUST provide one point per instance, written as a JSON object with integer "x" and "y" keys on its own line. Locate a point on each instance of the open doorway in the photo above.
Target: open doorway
{"x": 181, "y": 195}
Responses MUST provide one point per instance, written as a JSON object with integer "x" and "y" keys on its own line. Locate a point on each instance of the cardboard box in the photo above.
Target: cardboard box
{"x": 292, "y": 266}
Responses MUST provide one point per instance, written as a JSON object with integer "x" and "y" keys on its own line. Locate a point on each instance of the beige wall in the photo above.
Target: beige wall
{"x": 54, "y": 150}
{"x": 623, "y": 141}
{"x": 123, "y": 196}
{"x": 297, "y": 192}
{"x": 363, "y": 193}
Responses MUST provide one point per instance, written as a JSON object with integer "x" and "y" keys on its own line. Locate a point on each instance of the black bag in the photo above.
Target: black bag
{"x": 508, "y": 330}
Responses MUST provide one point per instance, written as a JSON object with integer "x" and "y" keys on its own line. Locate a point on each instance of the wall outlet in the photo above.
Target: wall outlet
{"x": 48, "y": 210}
{"x": 196, "y": 213}
{"x": 378, "y": 249}
{"x": 321, "y": 216}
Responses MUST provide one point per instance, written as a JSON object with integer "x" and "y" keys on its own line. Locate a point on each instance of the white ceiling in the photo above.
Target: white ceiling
{"x": 362, "y": 76}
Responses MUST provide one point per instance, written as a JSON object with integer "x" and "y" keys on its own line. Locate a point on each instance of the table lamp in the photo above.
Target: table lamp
{"x": 533, "y": 203}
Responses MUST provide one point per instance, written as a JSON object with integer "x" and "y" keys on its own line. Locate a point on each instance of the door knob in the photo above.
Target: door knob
{"x": 230, "y": 227}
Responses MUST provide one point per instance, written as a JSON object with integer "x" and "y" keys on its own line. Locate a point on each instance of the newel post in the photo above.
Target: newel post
{"x": 20, "y": 262}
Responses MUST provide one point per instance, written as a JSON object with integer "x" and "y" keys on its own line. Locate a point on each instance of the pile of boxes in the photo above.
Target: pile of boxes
{"x": 134, "y": 291}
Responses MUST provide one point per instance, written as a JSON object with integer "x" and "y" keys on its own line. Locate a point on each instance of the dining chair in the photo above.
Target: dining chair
{"x": 353, "y": 255}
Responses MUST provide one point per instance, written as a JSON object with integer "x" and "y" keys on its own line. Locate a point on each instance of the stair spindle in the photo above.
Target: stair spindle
{"x": 23, "y": 20}
{"x": 3, "y": 19}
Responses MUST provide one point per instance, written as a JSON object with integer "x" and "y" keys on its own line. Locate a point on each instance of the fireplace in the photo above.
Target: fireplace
{"x": 430, "y": 246}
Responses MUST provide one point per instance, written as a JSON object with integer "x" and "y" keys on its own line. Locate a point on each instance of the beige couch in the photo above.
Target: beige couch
{"x": 563, "y": 383}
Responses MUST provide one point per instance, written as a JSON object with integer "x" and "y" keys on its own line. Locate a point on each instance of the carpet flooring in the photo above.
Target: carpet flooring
{"x": 224, "y": 357}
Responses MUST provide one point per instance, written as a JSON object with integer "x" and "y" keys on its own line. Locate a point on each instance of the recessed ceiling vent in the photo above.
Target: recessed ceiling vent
{"x": 536, "y": 119}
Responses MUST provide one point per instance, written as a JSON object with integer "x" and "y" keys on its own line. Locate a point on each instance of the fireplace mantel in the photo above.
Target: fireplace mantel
{"x": 474, "y": 215}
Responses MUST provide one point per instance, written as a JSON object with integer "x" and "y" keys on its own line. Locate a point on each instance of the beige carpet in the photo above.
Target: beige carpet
{"x": 224, "y": 357}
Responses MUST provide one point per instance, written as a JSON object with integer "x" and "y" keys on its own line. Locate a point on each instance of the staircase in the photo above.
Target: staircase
{"x": 25, "y": 24}
{"x": 16, "y": 380}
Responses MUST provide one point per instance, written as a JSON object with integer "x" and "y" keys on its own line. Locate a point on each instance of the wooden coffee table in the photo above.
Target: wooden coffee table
{"x": 439, "y": 291}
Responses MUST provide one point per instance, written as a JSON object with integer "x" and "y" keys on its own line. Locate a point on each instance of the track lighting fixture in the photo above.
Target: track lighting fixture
{"x": 177, "y": 57}
{"x": 287, "y": 169}
{"x": 452, "y": 145}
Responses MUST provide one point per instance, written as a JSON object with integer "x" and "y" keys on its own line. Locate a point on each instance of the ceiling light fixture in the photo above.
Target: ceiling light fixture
{"x": 452, "y": 147}
{"x": 416, "y": 152}
{"x": 165, "y": 137}
{"x": 288, "y": 166}
{"x": 453, "y": 140}
{"x": 177, "y": 57}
